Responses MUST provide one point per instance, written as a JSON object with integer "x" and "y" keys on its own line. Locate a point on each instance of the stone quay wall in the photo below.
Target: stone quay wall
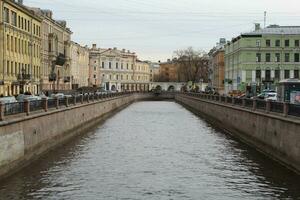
{"x": 276, "y": 135}
{"x": 23, "y": 138}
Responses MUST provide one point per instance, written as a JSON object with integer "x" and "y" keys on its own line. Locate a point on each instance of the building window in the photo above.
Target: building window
{"x": 127, "y": 66}
{"x": 102, "y": 64}
{"x": 268, "y": 57}
{"x": 268, "y": 43}
{"x": 258, "y": 74}
{"x": 257, "y": 43}
{"x": 296, "y": 57}
{"x": 95, "y": 69}
{"x": 277, "y": 43}
{"x": 296, "y": 73}
{"x": 297, "y": 43}
{"x": 132, "y": 66}
{"x": 287, "y": 43}
{"x": 277, "y": 57}
{"x": 6, "y": 15}
{"x": 286, "y": 74}
{"x": 277, "y": 74}
{"x": 95, "y": 76}
{"x": 287, "y": 57}
{"x": 109, "y": 77}
{"x": 268, "y": 75}
{"x": 258, "y": 57}
{"x": 14, "y": 18}
{"x": 121, "y": 65}
{"x": 117, "y": 65}
{"x": 109, "y": 65}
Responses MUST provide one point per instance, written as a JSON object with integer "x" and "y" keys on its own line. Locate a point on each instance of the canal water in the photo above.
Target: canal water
{"x": 153, "y": 150}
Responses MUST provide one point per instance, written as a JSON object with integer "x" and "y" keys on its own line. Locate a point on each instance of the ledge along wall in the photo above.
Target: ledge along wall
{"x": 276, "y": 136}
{"x": 24, "y": 139}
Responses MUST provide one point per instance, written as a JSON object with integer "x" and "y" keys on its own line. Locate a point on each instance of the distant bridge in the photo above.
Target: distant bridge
{"x": 167, "y": 86}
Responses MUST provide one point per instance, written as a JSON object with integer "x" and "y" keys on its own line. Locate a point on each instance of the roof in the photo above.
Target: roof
{"x": 276, "y": 30}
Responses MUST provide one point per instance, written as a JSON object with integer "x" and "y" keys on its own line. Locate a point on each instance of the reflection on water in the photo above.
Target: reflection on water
{"x": 153, "y": 150}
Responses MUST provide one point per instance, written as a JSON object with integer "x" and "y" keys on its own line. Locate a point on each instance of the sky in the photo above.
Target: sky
{"x": 154, "y": 29}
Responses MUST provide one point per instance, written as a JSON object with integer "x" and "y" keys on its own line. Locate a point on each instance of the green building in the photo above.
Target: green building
{"x": 258, "y": 60}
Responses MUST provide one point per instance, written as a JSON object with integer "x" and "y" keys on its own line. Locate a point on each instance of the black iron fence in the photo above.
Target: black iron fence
{"x": 13, "y": 108}
{"x": 45, "y": 104}
{"x": 258, "y": 104}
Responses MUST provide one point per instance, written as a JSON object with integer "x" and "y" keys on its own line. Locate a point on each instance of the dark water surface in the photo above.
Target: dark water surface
{"x": 153, "y": 150}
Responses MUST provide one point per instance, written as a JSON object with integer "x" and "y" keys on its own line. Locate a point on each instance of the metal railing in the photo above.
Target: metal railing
{"x": 36, "y": 105}
{"x": 285, "y": 109}
{"x": 13, "y": 108}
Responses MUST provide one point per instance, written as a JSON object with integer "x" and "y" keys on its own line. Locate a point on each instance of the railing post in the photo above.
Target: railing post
{"x": 285, "y": 109}
{"x": 88, "y": 98}
{"x": 45, "y": 103}
{"x": 81, "y": 100}
{"x": 2, "y": 109}
{"x": 243, "y": 102}
{"x": 75, "y": 99}
{"x": 27, "y": 106}
{"x": 57, "y": 102}
{"x": 268, "y": 106}
{"x": 254, "y": 104}
{"x": 67, "y": 101}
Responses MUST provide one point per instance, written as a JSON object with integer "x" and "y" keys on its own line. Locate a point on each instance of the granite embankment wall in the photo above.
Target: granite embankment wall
{"x": 273, "y": 134}
{"x": 25, "y": 138}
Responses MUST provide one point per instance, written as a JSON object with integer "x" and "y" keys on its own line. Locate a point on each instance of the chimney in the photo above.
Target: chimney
{"x": 222, "y": 41}
{"x": 20, "y": 2}
{"x": 257, "y": 26}
{"x": 94, "y": 46}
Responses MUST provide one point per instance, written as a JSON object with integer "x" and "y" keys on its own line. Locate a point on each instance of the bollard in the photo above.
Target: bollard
{"x": 268, "y": 106}
{"x": 285, "y": 109}
{"x": 27, "y": 106}
{"x": 2, "y": 110}
{"x": 45, "y": 103}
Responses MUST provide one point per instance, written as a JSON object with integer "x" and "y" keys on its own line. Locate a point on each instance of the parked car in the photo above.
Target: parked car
{"x": 272, "y": 96}
{"x": 22, "y": 97}
{"x": 8, "y": 100}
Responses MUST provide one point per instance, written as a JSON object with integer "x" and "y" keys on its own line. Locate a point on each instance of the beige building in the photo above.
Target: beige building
{"x": 154, "y": 72}
{"x": 56, "y": 40}
{"x": 79, "y": 70}
{"x": 20, "y": 46}
{"x": 117, "y": 70}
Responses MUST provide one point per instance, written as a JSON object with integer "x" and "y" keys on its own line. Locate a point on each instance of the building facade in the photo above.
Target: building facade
{"x": 217, "y": 67}
{"x": 20, "y": 45}
{"x": 154, "y": 72}
{"x": 168, "y": 71}
{"x": 55, "y": 54}
{"x": 258, "y": 60}
{"x": 117, "y": 70}
{"x": 79, "y": 69}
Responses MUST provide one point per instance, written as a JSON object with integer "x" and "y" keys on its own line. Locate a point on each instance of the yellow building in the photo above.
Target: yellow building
{"x": 142, "y": 75}
{"x": 56, "y": 42}
{"x": 20, "y": 45}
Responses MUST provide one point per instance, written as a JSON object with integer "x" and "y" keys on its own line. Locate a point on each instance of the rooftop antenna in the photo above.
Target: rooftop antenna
{"x": 265, "y": 19}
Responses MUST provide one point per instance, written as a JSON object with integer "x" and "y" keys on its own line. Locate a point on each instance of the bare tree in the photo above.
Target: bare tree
{"x": 192, "y": 65}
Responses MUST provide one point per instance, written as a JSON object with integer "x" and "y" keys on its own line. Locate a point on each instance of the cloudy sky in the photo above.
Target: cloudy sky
{"x": 155, "y": 28}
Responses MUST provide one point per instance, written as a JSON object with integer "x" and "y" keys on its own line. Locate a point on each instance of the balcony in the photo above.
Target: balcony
{"x": 60, "y": 60}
